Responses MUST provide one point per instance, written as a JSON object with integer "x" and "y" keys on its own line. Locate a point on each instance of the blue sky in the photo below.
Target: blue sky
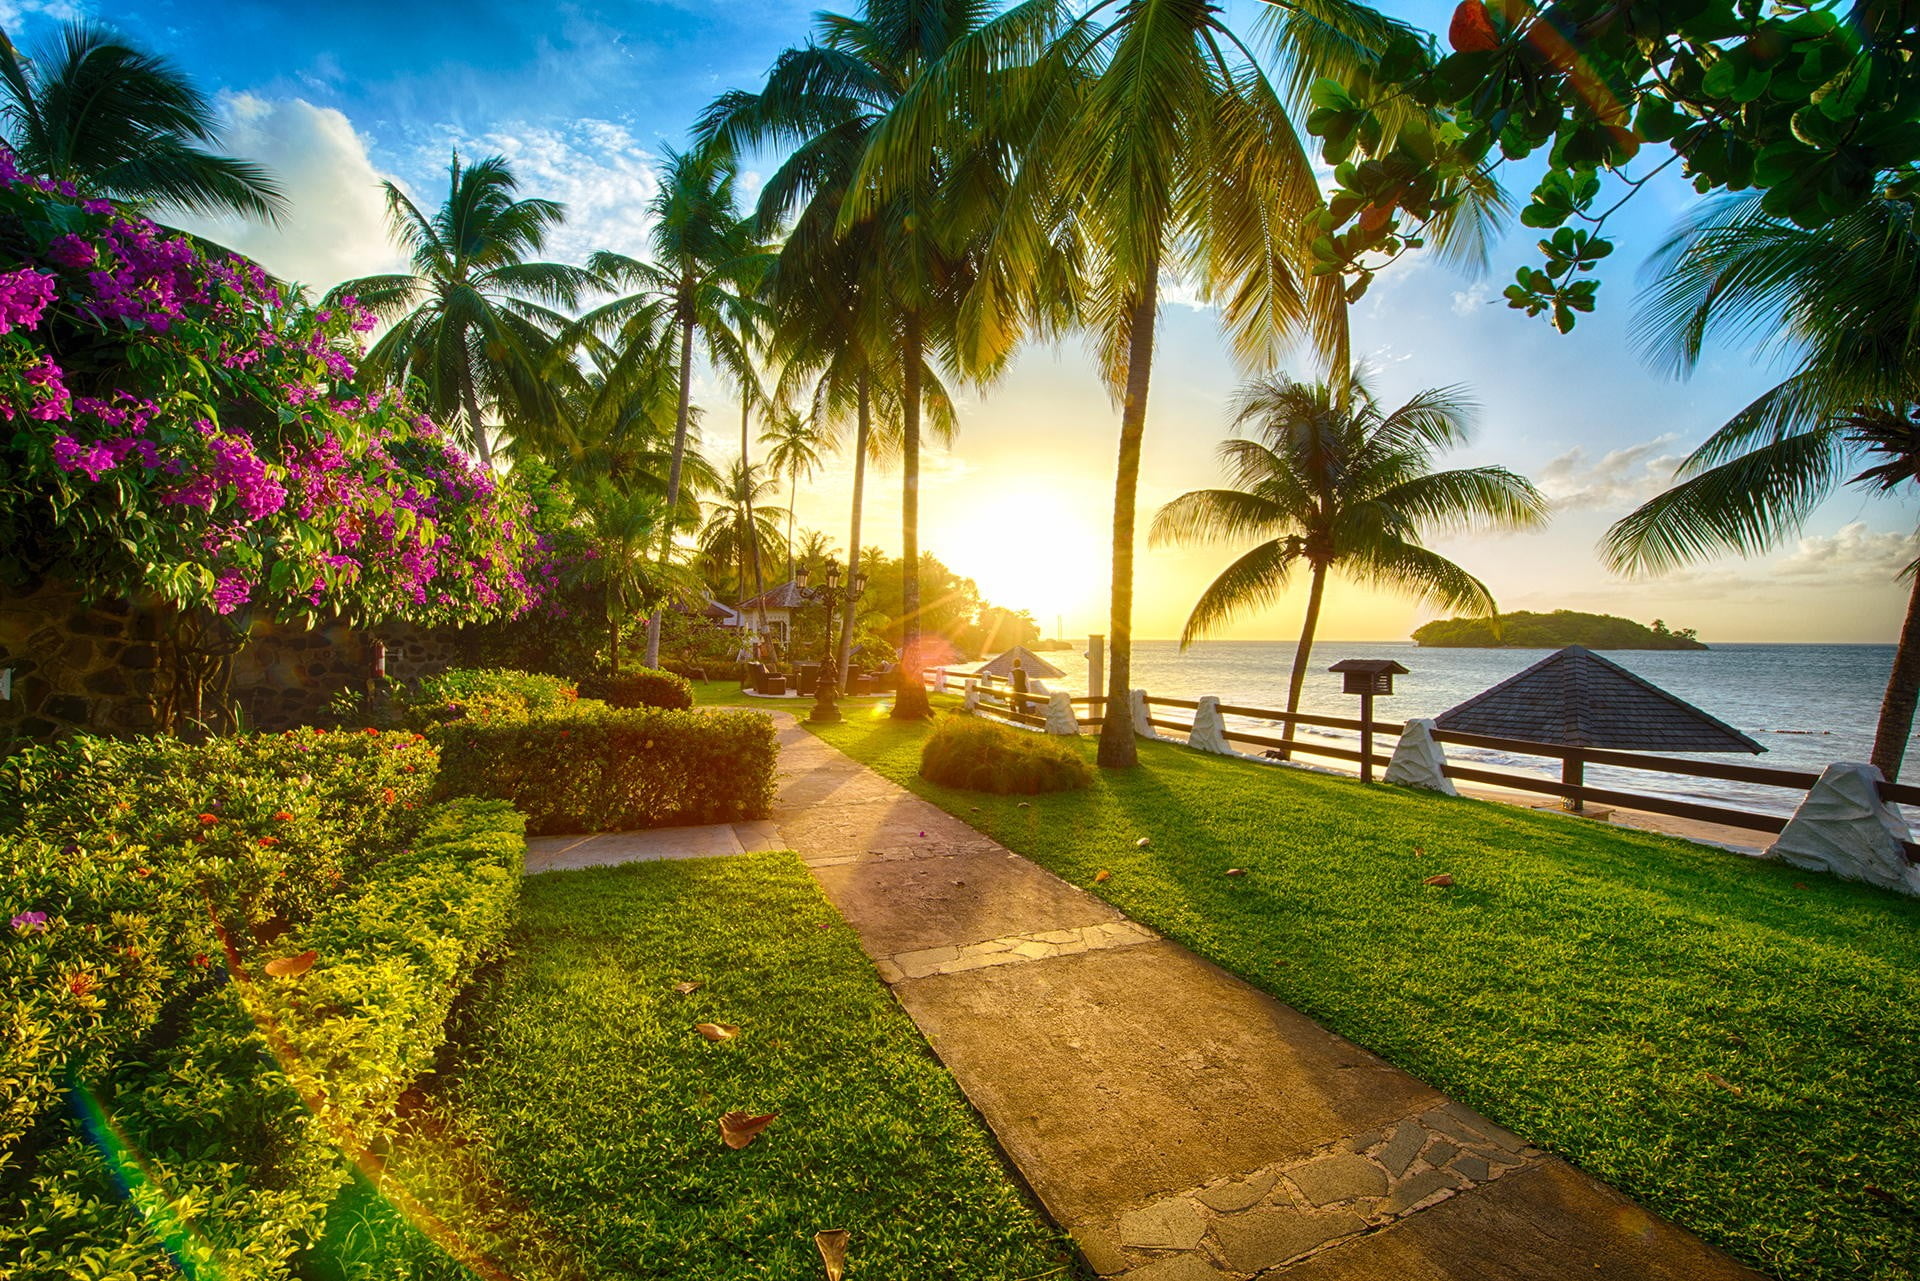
{"x": 583, "y": 97}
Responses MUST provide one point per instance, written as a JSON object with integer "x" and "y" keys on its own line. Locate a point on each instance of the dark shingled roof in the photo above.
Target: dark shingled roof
{"x": 1576, "y": 698}
{"x": 785, "y": 596}
{"x": 1030, "y": 663}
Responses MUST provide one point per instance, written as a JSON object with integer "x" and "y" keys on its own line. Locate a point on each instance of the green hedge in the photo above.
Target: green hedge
{"x": 208, "y": 1101}
{"x": 596, "y": 769}
{"x": 984, "y": 756}
{"x": 648, "y": 688}
{"x": 460, "y": 693}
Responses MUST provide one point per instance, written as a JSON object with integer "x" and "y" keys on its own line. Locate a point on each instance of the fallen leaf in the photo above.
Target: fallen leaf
{"x": 1419, "y": 851}
{"x": 1024, "y": 805}
{"x": 1102, "y": 876}
{"x": 717, "y": 1031}
{"x": 1442, "y": 880}
{"x": 832, "y": 1244}
{"x": 688, "y": 986}
{"x": 292, "y": 967}
{"x": 1236, "y": 871}
{"x": 823, "y": 925}
{"x": 738, "y": 1129}
{"x": 1142, "y": 843}
{"x": 1724, "y": 1084}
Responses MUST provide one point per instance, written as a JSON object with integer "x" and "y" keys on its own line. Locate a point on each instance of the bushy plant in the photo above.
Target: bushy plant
{"x": 164, "y": 899}
{"x": 599, "y": 769}
{"x": 482, "y": 694}
{"x": 648, "y": 687}
{"x": 982, "y": 756}
{"x": 178, "y": 424}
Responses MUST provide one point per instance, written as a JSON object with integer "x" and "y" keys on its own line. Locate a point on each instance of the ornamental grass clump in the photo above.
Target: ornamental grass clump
{"x": 982, "y": 756}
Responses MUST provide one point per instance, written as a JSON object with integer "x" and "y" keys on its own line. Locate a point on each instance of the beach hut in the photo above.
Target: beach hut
{"x": 1000, "y": 667}
{"x": 1575, "y": 698}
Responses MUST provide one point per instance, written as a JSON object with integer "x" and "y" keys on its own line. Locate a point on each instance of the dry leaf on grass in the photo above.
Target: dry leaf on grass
{"x": 1419, "y": 851}
{"x": 1142, "y": 843}
{"x": 1236, "y": 871}
{"x": 684, "y": 988}
{"x": 717, "y": 1031}
{"x": 737, "y": 1129}
{"x": 832, "y": 1244}
{"x": 1442, "y": 880}
{"x": 292, "y": 967}
{"x": 1724, "y": 1084}
{"x": 1102, "y": 876}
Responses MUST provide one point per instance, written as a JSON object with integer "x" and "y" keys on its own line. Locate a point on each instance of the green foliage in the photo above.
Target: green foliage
{"x": 616, "y": 1156}
{"x": 647, "y": 687}
{"x": 1812, "y": 104}
{"x": 482, "y": 694}
{"x": 1577, "y": 983}
{"x": 1527, "y": 630}
{"x": 597, "y": 769}
{"x": 219, "y": 1096}
{"x": 983, "y": 756}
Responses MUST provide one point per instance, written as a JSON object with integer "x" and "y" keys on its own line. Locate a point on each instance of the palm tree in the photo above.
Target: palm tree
{"x": 624, "y": 534}
{"x": 117, "y": 121}
{"x": 1331, "y": 482}
{"x": 706, "y": 263}
{"x": 1844, "y": 298}
{"x": 740, "y": 526}
{"x": 474, "y": 321}
{"x": 797, "y": 446}
{"x": 826, "y": 100}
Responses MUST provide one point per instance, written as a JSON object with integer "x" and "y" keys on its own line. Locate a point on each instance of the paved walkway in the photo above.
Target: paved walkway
{"x": 1181, "y": 1124}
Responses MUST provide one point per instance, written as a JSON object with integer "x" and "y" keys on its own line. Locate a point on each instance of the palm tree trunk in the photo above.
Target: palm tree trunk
{"x": 752, "y": 531}
{"x": 1903, "y": 689}
{"x": 1303, "y": 652}
{"x": 470, "y": 405}
{"x": 845, "y": 658}
{"x": 1117, "y": 748}
{"x": 910, "y": 700}
{"x": 793, "y": 481}
{"x": 673, "y": 474}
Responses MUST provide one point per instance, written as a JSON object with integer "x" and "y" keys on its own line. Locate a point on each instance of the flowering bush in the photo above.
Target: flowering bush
{"x": 230, "y": 959}
{"x": 180, "y": 423}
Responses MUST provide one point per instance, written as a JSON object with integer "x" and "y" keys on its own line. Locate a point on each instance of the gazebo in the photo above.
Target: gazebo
{"x": 1575, "y": 698}
{"x": 1001, "y": 666}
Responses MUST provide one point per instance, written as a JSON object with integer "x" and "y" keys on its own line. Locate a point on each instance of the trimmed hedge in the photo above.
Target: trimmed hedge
{"x": 460, "y": 693}
{"x": 983, "y": 756}
{"x": 596, "y": 769}
{"x": 648, "y": 688}
{"x": 210, "y": 1100}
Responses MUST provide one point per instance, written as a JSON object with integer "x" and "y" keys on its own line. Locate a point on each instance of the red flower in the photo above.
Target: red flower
{"x": 200, "y": 961}
{"x": 143, "y": 872}
{"x": 80, "y": 984}
{"x": 208, "y": 820}
{"x": 372, "y": 730}
{"x": 267, "y": 842}
{"x": 386, "y": 794}
{"x": 282, "y": 816}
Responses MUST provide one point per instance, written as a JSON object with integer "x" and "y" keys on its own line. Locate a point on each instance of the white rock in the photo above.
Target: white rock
{"x": 972, "y": 703}
{"x": 1209, "y": 729}
{"x": 1845, "y": 828}
{"x": 1419, "y": 761}
{"x": 1142, "y": 718}
{"x": 1060, "y": 718}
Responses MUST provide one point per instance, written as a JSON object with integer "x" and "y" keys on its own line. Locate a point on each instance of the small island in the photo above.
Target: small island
{"x": 1525, "y": 630}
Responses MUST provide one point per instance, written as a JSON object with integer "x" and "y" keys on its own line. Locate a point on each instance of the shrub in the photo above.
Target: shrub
{"x": 649, "y": 688}
{"x": 218, "y": 1095}
{"x": 986, "y": 757}
{"x": 597, "y": 769}
{"x": 484, "y": 693}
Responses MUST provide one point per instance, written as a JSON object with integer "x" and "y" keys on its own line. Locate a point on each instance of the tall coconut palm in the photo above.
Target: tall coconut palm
{"x": 118, "y": 121}
{"x": 624, "y": 533}
{"x": 825, "y": 100}
{"x": 1844, "y": 299}
{"x": 797, "y": 445}
{"x": 740, "y": 525}
{"x": 1331, "y": 482}
{"x": 706, "y": 263}
{"x": 474, "y": 321}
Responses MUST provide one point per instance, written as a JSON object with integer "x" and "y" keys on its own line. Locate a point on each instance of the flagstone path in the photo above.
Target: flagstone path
{"x": 1183, "y": 1125}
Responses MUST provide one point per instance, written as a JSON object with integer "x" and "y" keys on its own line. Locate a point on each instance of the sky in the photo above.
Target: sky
{"x": 584, "y": 99}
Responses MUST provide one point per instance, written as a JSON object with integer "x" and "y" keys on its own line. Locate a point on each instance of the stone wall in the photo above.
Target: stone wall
{"x": 99, "y": 667}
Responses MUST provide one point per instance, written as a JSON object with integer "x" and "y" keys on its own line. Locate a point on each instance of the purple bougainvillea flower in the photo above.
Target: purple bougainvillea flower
{"x": 30, "y": 922}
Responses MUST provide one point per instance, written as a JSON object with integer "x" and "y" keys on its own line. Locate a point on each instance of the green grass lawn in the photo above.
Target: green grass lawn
{"x": 580, "y": 1082}
{"x": 1734, "y": 1043}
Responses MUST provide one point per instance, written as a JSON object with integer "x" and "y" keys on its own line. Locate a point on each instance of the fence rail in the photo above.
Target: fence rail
{"x": 1570, "y": 786}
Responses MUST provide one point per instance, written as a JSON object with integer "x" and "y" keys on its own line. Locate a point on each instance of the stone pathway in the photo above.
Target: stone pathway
{"x": 1181, "y": 1124}
{"x": 604, "y": 849}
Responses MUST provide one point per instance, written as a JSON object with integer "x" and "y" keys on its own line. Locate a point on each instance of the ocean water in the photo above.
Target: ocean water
{"x": 1809, "y": 705}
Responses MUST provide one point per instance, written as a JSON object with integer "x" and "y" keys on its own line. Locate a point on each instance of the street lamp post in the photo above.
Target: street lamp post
{"x": 832, "y": 595}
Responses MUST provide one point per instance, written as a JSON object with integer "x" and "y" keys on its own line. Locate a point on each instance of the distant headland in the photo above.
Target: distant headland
{"x": 1526, "y": 630}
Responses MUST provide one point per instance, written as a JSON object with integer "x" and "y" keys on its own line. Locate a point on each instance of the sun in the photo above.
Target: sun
{"x": 1028, "y": 546}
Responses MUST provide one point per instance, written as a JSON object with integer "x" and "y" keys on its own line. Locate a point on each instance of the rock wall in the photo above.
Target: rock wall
{"x": 100, "y": 667}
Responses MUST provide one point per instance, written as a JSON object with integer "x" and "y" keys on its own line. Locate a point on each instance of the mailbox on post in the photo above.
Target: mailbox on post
{"x": 1367, "y": 677}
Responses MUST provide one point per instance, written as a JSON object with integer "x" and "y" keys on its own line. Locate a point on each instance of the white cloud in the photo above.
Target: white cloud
{"x": 597, "y": 168}
{"x": 1851, "y": 556}
{"x": 12, "y": 12}
{"x": 1471, "y": 299}
{"x": 1619, "y": 479}
{"x": 336, "y": 224}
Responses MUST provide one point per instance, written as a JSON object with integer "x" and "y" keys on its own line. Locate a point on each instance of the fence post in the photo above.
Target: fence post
{"x": 1096, "y": 665}
{"x": 1573, "y": 772}
{"x": 1366, "y": 737}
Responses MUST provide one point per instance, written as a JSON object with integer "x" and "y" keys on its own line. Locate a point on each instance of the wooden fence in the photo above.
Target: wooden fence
{"x": 1571, "y": 786}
